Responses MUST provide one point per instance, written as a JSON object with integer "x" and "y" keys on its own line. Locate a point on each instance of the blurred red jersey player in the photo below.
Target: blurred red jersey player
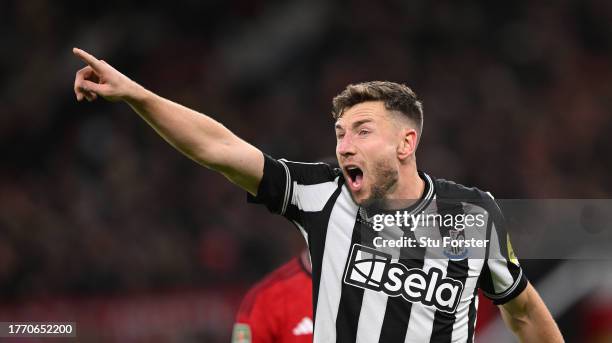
{"x": 278, "y": 309}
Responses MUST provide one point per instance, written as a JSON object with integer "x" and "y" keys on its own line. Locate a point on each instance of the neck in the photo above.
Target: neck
{"x": 409, "y": 186}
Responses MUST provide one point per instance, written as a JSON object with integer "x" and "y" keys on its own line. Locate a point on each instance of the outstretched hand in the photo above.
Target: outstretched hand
{"x": 99, "y": 78}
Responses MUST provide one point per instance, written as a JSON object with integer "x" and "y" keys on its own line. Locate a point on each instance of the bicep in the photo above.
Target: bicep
{"x": 527, "y": 316}
{"x": 515, "y": 312}
{"x": 525, "y": 310}
{"x": 518, "y": 306}
{"x": 240, "y": 162}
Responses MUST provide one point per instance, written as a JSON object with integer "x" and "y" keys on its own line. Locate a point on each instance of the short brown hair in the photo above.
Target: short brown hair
{"x": 396, "y": 97}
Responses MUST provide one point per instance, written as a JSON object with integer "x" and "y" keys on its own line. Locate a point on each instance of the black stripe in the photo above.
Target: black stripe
{"x": 442, "y": 331}
{"x": 472, "y": 316}
{"x": 521, "y": 284}
{"x": 271, "y": 191}
{"x": 443, "y": 322}
{"x": 514, "y": 270}
{"x": 312, "y": 174}
{"x": 316, "y": 241}
{"x": 351, "y": 297}
{"x": 485, "y": 282}
{"x": 488, "y": 246}
{"x": 397, "y": 312}
{"x": 395, "y": 323}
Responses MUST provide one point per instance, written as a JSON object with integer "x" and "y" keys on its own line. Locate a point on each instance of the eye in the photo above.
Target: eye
{"x": 363, "y": 132}
{"x": 339, "y": 136}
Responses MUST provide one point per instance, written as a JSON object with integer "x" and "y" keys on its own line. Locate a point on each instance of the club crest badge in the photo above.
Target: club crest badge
{"x": 455, "y": 251}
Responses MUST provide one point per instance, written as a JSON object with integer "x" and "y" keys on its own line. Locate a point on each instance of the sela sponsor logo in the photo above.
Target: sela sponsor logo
{"x": 371, "y": 269}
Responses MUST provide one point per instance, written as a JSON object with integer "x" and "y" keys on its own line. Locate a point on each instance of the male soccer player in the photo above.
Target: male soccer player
{"x": 279, "y": 308}
{"x": 361, "y": 294}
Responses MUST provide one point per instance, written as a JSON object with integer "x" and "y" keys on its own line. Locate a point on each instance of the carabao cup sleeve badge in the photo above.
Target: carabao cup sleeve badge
{"x": 241, "y": 333}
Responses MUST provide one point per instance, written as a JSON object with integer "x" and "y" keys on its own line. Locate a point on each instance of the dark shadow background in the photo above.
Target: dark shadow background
{"x": 517, "y": 95}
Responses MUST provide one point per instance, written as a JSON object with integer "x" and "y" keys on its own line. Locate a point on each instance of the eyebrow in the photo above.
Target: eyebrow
{"x": 361, "y": 122}
{"x": 355, "y": 124}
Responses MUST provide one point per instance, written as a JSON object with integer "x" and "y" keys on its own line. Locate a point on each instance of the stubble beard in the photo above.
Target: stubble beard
{"x": 385, "y": 179}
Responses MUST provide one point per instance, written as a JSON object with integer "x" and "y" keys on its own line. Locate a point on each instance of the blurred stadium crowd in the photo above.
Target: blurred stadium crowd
{"x": 518, "y": 100}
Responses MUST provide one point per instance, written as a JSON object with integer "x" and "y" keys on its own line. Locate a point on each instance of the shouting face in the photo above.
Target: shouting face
{"x": 370, "y": 148}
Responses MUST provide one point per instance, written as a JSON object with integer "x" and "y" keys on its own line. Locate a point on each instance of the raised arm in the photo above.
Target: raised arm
{"x": 196, "y": 135}
{"x": 529, "y": 319}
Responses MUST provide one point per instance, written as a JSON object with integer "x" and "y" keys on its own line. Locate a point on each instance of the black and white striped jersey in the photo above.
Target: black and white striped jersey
{"x": 363, "y": 292}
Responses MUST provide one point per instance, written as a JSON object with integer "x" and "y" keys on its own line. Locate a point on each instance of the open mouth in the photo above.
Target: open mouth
{"x": 355, "y": 175}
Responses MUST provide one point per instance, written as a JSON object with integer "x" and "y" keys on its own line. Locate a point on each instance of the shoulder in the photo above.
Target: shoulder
{"x": 447, "y": 189}
{"x": 311, "y": 173}
{"x": 450, "y": 191}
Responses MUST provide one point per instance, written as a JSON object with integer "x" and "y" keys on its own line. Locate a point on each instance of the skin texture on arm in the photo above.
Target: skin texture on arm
{"x": 529, "y": 319}
{"x": 196, "y": 135}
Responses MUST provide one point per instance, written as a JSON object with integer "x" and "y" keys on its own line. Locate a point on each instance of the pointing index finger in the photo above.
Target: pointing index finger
{"x": 87, "y": 58}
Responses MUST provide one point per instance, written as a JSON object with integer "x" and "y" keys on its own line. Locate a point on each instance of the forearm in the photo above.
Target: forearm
{"x": 536, "y": 326}
{"x": 196, "y": 135}
{"x": 530, "y": 320}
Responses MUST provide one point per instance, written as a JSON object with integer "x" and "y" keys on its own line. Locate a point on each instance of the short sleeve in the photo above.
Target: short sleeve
{"x": 291, "y": 188}
{"x": 254, "y": 322}
{"x": 502, "y": 278}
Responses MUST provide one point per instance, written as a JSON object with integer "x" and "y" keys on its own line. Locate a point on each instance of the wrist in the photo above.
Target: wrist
{"x": 136, "y": 95}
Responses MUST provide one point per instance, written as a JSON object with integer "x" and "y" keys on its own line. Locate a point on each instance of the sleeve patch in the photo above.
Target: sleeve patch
{"x": 511, "y": 254}
{"x": 241, "y": 333}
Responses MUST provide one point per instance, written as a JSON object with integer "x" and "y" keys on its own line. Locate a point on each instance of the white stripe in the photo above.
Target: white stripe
{"x": 420, "y": 324}
{"x": 306, "y": 163}
{"x": 374, "y": 304}
{"x": 475, "y": 318}
{"x": 335, "y": 253}
{"x": 509, "y": 290}
{"x": 373, "y": 309}
{"x": 421, "y": 321}
{"x": 427, "y": 196}
{"x": 287, "y": 189}
{"x": 462, "y": 316}
{"x": 502, "y": 279}
{"x": 460, "y": 326}
{"x": 312, "y": 198}
{"x": 475, "y": 264}
{"x": 475, "y": 231}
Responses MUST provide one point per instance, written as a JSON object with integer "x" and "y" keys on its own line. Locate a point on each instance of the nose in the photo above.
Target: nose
{"x": 345, "y": 146}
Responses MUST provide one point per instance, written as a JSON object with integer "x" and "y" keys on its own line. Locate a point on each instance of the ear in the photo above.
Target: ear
{"x": 408, "y": 143}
